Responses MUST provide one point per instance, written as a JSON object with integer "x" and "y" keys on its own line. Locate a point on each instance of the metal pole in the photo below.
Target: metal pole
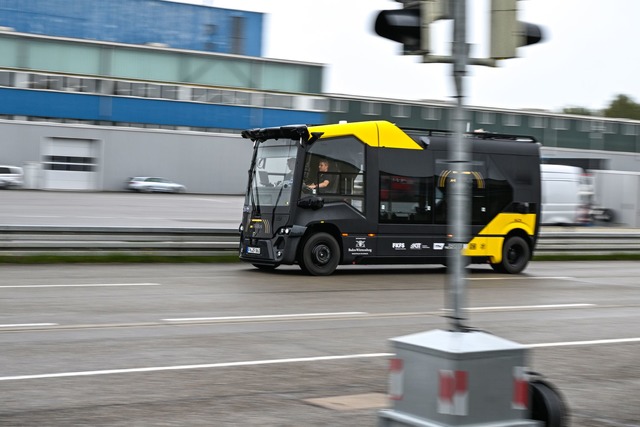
{"x": 458, "y": 186}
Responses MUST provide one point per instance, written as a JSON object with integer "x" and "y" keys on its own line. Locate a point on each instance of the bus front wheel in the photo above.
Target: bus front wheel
{"x": 320, "y": 255}
{"x": 515, "y": 256}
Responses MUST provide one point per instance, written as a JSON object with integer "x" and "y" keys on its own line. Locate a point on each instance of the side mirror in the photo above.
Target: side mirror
{"x": 314, "y": 203}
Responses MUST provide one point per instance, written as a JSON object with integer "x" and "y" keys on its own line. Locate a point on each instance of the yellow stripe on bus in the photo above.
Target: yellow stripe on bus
{"x": 489, "y": 240}
{"x": 370, "y": 133}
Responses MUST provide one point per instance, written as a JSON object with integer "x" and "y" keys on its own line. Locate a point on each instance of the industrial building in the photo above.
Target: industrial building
{"x": 90, "y": 96}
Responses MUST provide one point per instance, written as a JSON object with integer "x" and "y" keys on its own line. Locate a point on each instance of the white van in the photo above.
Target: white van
{"x": 566, "y": 195}
{"x": 11, "y": 176}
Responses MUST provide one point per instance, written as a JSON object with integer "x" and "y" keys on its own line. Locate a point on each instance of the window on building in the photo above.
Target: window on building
{"x": 89, "y": 85}
{"x": 511, "y": 119}
{"x": 38, "y": 81}
{"x": 139, "y": 89}
{"x": 339, "y": 106}
{"x": 169, "y": 92}
{"x": 242, "y": 98}
{"x": 486, "y": 117}
{"x": 210, "y": 29}
{"x": 6, "y": 78}
{"x": 107, "y": 87}
{"x": 153, "y": 91}
{"x": 610, "y": 127}
{"x": 400, "y": 110}
{"x": 584, "y": 125}
{"x": 431, "y": 113}
{"x": 631, "y": 130}
{"x": 123, "y": 88}
{"x": 320, "y": 104}
{"x": 199, "y": 94}
{"x": 54, "y": 82}
{"x": 537, "y": 122}
{"x": 371, "y": 108}
{"x": 560, "y": 124}
{"x": 69, "y": 163}
{"x": 237, "y": 35}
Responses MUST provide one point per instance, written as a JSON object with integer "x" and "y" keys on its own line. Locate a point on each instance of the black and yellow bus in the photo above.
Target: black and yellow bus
{"x": 380, "y": 197}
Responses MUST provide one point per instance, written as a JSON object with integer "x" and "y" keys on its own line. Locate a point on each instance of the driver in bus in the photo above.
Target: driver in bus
{"x": 324, "y": 179}
{"x": 291, "y": 164}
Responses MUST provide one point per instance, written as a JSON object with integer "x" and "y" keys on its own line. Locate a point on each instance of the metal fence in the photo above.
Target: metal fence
{"x": 24, "y": 240}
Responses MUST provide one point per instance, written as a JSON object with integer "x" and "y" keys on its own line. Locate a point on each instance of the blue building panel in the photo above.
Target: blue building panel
{"x": 178, "y": 25}
{"x": 60, "y": 105}
{"x": 21, "y": 102}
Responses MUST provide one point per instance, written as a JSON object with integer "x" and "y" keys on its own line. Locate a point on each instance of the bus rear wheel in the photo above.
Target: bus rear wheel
{"x": 320, "y": 255}
{"x": 515, "y": 256}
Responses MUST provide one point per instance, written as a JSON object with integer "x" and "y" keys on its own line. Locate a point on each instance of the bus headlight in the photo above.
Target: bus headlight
{"x": 284, "y": 231}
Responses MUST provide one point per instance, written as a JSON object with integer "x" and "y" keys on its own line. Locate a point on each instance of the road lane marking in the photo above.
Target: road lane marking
{"x": 328, "y": 316}
{"x": 203, "y": 366}
{"x": 93, "y": 285}
{"x": 267, "y": 316}
{"x": 281, "y": 361}
{"x": 577, "y": 343}
{"x": 27, "y": 325}
{"x": 523, "y": 278}
{"x": 529, "y": 307}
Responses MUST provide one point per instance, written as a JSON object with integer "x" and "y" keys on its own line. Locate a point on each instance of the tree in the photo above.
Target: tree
{"x": 623, "y": 107}
{"x": 578, "y": 111}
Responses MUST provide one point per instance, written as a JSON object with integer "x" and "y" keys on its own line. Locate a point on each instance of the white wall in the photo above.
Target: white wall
{"x": 206, "y": 163}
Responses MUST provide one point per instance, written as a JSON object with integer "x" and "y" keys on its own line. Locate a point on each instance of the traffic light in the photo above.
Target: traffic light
{"x": 410, "y": 25}
{"x": 507, "y": 33}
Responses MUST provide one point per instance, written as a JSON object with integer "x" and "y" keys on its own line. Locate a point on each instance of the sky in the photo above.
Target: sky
{"x": 588, "y": 57}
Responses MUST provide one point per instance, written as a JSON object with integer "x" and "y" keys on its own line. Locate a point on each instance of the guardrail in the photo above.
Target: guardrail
{"x": 24, "y": 240}
{"x": 61, "y": 240}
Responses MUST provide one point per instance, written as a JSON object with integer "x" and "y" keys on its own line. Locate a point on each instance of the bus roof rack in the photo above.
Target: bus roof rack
{"x": 263, "y": 134}
{"x": 480, "y": 134}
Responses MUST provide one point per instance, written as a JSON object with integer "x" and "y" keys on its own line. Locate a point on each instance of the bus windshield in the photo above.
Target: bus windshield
{"x": 271, "y": 176}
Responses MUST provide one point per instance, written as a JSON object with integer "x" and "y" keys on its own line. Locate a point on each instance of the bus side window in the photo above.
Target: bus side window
{"x": 346, "y": 156}
{"x": 441, "y": 207}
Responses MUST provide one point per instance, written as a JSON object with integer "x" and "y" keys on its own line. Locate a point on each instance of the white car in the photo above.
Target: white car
{"x": 11, "y": 176}
{"x": 151, "y": 184}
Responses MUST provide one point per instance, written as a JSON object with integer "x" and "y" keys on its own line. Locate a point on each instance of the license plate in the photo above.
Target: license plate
{"x": 252, "y": 250}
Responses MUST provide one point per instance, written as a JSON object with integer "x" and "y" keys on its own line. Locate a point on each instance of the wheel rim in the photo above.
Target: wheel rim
{"x": 321, "y": 254}
{"x": 514, "y": 254}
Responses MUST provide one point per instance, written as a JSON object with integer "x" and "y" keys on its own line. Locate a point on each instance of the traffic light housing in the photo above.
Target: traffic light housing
{"x": 410, "y": 25}
{"x": 507, "y": 33}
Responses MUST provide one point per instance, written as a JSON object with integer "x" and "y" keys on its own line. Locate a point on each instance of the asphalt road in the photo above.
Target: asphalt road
{"x": 227, "y": 345}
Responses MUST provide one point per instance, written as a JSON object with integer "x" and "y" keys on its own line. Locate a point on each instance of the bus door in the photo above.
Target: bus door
{"x": 406, "y": 205}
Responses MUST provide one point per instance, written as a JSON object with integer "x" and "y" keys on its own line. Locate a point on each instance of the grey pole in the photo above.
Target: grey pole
{"x": 459, "y": 184}
{"x": 459, "y": 377}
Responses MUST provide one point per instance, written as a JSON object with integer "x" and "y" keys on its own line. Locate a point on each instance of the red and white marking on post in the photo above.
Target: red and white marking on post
{"x": 453, "y": 395}
{"x": 396, "y": 381}
{"x": 520, "y": 388}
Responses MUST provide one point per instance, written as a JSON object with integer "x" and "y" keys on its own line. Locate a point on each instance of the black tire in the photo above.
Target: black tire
{"x": 320, "y": 255}
{"x": 516, "y": 254}
{"x": 547, "y": 404}
{"x": 608, "y": 215}
{"x": 266, "y": 267}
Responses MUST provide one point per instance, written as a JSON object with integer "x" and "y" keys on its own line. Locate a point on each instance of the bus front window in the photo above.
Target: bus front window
{"x": 272, "y": 173}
